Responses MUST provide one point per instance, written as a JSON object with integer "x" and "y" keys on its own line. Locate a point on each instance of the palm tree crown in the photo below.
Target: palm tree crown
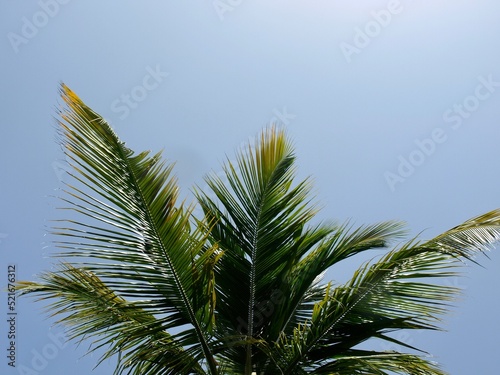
{"x": 238, "y": 290}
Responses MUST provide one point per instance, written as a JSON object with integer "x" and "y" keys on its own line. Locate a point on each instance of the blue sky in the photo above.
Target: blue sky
{"x": 393, "y": 107}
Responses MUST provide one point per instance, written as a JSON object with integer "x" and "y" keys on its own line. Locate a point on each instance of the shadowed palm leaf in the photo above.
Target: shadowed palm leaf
{"x": 238, "y": 290}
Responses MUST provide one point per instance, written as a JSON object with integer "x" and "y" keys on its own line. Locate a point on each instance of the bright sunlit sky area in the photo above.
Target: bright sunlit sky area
{"x": 393, "y": 107}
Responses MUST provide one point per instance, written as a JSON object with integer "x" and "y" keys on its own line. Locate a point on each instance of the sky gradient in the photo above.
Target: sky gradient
{"x": 393, "y": 106}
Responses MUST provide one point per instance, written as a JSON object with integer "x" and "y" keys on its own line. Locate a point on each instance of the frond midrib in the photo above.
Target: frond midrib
{"x": 253, "y": 267}
{"x": 206, "y": 349}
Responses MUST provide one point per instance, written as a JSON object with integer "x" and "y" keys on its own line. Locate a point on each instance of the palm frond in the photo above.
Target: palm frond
{"x": 239, "y": 290}
{"x": 138, "y": 232}
{"x": 388, "y": 294}
{"x": 261, "y": 218}
{"x": 91, "y": 310}
{"x": 369, "y": 363}
{"x": 470, "y": 238}
{"x": 342, "y": 242}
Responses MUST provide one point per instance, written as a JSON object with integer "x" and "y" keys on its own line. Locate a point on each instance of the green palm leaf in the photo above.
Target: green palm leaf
{"x": 239, "y": 290}
{"x": 387, "y": 295}
{"x": 90, "y": 309}
{"x": 139, "y": 241}
{"x": 261, "y": 222}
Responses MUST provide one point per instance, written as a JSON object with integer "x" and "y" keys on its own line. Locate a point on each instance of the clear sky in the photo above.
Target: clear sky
{"x": 394, "y": 107}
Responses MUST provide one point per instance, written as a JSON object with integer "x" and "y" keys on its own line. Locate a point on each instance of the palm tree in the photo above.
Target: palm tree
{"x": 239, "y": 290}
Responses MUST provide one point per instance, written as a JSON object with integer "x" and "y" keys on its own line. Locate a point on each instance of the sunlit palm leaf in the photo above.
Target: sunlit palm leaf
{"x": 368, "y": 363}
{"x": 239, "y": 290}
{"x": 261, "y": 221}
{"x": 90, "y": 309}
{"x": 388, "y": 295}
{"x": 142, "y": 236}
